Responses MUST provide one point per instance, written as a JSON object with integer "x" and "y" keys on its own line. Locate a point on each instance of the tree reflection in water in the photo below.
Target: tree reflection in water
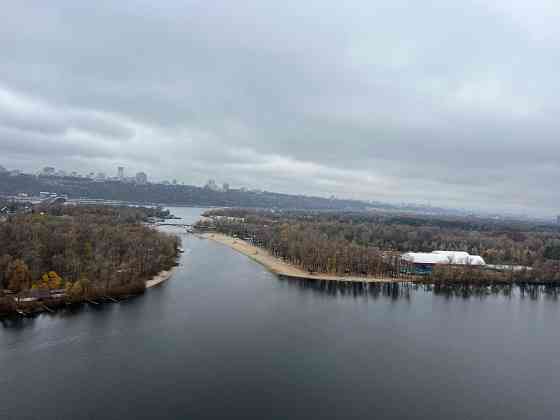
{"x": 404, "y": 290}
{"x": 351, "y": 288}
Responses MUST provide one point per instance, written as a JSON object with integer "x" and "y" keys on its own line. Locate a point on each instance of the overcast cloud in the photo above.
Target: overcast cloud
{"x": 448, "y": 102}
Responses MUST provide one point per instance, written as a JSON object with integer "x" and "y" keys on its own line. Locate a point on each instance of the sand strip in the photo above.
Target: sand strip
{"x": 160, "y": 278}
{"x": 282, "y": 268}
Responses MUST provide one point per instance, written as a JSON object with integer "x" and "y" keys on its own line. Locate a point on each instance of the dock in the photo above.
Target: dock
{"x": 46, "y": 308}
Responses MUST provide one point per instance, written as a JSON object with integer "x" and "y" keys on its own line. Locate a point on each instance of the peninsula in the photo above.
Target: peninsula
{"x": 282, "y": 268}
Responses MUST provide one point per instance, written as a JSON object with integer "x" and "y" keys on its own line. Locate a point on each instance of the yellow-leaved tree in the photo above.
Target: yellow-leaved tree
{"x": 55, "y": 281}
{"x": 77, "y": 290}
{"x": 18, "y": 275}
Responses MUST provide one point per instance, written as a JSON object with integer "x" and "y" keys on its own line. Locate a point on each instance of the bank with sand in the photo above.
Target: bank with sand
{"x": 279, "y": 267}
{"x": 160, "y": 278}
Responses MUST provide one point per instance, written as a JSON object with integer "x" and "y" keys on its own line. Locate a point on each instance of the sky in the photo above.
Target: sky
{"x": 451, "y": 103}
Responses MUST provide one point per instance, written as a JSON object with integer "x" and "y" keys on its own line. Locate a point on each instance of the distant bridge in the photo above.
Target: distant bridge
{"x": 181, "y": 225}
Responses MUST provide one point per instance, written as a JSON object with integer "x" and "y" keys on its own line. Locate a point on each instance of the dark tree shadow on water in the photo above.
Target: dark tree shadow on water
{"x": 351, "y": 289}
{"x": 406, "y": 290}
{"x": 16, "y": 322}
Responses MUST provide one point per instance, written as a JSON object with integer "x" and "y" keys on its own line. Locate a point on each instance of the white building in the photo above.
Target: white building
{"x": 443, "y": 257}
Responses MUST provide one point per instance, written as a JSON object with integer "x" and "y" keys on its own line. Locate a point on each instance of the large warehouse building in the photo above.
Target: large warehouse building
{"x": 423, "y": 262}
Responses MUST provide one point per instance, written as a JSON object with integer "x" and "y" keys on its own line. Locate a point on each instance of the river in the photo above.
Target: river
{"x": 226, "y": 339}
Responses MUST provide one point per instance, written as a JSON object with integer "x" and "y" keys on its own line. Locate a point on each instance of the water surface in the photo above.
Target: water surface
{"x": 226, "y": 339}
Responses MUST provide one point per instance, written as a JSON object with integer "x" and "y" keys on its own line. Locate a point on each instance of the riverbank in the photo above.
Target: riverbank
{"x": 53, "y": 304}
{"x": 160, "y": 278}
{"x": 281, "y": 268}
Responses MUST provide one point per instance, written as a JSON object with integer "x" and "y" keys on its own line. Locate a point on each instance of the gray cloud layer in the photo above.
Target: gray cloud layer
{"x": 450, "y": 102}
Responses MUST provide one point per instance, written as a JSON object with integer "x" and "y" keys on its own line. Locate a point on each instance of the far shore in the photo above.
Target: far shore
{"x": 160, "y": 278}
{"x": 281, "y": 268}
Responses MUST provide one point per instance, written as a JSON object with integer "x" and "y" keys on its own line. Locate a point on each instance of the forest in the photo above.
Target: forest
{"x": 370, "y": 243}
{"x": 81, "y": 252}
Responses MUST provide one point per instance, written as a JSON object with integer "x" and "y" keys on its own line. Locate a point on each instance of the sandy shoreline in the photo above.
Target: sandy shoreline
{"x": 279, "y": 267}
{"x": 160, "y": 278}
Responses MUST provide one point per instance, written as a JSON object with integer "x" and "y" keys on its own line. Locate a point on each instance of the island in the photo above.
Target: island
{"x": 65, "y": 255}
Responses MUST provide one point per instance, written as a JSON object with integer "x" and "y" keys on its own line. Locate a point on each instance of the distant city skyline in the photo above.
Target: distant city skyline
{"x": 212, "y": 184}
{"x": 140, "y": 177}
{"x": 108, "y": 172}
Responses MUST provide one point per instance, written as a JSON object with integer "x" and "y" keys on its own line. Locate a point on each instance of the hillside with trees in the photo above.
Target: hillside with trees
{"x": 367, "y": 243}
{"x": 81, "y": 252}
{"x": 186, "y": 195}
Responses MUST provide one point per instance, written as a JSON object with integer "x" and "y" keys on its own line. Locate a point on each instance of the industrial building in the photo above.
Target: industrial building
{"x": 424, "y": 262}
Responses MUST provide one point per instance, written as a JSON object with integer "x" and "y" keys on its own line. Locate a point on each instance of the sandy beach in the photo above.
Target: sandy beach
{"x": 160, "y": 278}
{"x": 282, "y": 268}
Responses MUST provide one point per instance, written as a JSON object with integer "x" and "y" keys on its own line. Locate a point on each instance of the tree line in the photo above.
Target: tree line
{"x": 367, "y": 243}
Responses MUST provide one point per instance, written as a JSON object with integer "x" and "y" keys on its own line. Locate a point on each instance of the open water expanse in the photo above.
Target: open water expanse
{"x": 226, "y": 339}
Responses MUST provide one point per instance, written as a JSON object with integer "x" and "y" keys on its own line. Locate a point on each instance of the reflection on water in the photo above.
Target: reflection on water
{"x": 393, "y": 291}
{"x": 523, "y": 291}
{"x": 77, "y": 309}
{"x": 354, "y": 289}
{"x": 406, "y": 290}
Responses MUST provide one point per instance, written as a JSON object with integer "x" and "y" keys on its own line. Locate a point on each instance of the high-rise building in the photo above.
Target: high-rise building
{"x": 225, "y": 187}
{"x": 3, "y": 170}
{"x": 141, "y": 178}
{"x": 120, "y": 172}
{"x": 47, "y": 171}
{"x": 211, "y": 185}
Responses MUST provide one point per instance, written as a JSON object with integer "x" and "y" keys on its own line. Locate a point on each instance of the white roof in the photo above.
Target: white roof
{"x": 444, "y": 257}
{"x": 453, "y": 254}
{"x": 476, "y": 260}
{"x": 425, "y": 258}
